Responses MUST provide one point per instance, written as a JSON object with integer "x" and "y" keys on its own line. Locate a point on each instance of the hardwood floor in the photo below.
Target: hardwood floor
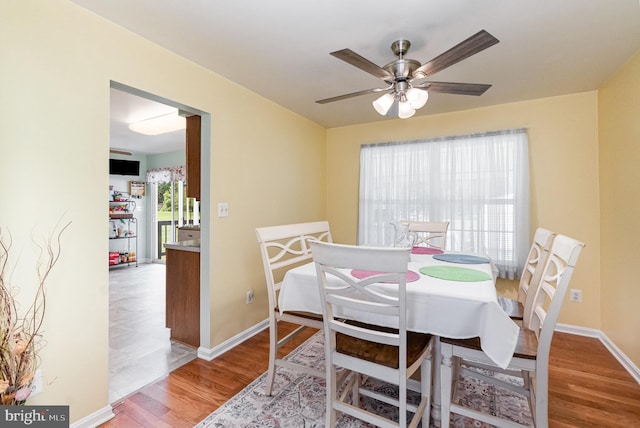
{"x": 196, "y": 389}
{"x": 588, "y": 387}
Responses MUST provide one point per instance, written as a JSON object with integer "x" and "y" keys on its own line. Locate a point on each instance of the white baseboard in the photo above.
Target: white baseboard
{"x": 617, "y": 353}
{"x": 577, "y": 330}
{"x": 211, "y": 353}
{"x": 95, "y": 419}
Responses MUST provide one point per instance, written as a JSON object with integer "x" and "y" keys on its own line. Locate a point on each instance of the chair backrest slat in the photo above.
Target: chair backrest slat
{"x": 285, "y": 246}
{"x": 549, "y": 295}
{"x": 429, "y": 233}
{"x": 538, "y": 254}
{"x": 343, "y": 295}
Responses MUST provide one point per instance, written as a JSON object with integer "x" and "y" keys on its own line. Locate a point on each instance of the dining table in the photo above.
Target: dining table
{"x": 449, "y": 294}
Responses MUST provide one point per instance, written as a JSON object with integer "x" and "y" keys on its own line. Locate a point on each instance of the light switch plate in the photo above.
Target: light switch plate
{"x": 223, "y": 209}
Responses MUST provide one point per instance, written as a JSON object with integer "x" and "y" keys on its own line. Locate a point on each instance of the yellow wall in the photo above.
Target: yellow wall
{"x": 56, "y": 64}
{"x": 563, "y": 148}
{"x": 619, "y": 114}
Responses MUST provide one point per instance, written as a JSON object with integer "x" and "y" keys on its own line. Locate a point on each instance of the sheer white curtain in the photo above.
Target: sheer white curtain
{"x": 479, "y": 183}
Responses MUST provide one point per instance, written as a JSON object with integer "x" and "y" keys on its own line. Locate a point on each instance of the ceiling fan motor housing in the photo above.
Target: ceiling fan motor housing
{"x": 402, "y": 69}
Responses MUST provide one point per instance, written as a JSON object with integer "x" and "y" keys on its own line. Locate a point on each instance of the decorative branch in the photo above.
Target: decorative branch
{"x": 20, "y": 337}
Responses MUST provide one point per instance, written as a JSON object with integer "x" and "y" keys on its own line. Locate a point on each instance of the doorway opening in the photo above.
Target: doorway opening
{"x": 140, "y": 349}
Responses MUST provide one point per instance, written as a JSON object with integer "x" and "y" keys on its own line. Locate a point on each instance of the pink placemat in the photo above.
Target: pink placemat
{"x": 361, "y": 274}
{"x": 425, "y": 250}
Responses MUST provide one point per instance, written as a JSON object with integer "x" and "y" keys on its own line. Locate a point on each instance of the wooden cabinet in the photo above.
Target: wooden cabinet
{"x": 193, "y": 157}
{"x": 183, "y": 296}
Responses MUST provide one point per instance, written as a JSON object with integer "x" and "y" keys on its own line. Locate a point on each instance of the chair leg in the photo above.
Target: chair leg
{"x": 446, "y": 384}
{"x": 331, "y": 396}
{"x": 425, "y": 388}
{"x": 402, "y": 405}
{"x": 539, "y": 396}
{"x": 273, "y": 354}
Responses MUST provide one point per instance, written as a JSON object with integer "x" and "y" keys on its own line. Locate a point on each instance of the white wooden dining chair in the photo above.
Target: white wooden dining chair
{"x": 388, "y": 354}
{"x": 530, "y": 360}
{"x": 284, "y": 247}
{"x": 429, "y": 233}
{"x": 531, "y": 273}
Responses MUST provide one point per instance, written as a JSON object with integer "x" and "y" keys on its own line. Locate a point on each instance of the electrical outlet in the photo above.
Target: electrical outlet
{"x": 223, "y": 209}
{"x": 575, "y": 295}
{"x": 36, "y": 384}
{"x": 249, "y": 297}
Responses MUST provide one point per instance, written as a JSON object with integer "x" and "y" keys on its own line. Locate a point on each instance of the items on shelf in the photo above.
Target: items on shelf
{"x": 123, "y": 227}
{"x": 120, "y": 204}
{"x": 116, "y": 258}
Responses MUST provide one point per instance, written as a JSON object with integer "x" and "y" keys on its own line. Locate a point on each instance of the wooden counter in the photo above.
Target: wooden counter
{"x": 183, "y": 293}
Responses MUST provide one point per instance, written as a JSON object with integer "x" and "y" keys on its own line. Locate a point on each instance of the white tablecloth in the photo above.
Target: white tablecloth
{"x": 444, "y": 308}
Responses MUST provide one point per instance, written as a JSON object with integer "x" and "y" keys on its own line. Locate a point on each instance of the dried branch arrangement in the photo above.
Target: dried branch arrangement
{"x": 20, "y": 334}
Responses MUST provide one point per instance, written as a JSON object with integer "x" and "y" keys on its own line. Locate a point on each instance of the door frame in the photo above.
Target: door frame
{"x": 205, "y": 212}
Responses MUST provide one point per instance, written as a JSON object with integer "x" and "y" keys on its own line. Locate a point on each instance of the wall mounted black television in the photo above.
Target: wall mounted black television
{"x": 124, "y": 167}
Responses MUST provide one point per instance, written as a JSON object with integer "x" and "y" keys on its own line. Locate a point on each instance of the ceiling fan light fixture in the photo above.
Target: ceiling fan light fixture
{"x": 417, "y": 97}
{"x": 405, "y": 110}
{"x": 383, "y": 104}
{"x": 159, "y": 124}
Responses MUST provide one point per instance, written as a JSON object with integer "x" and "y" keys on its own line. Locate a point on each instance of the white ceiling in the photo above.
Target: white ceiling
{"x": 280, "y": 48}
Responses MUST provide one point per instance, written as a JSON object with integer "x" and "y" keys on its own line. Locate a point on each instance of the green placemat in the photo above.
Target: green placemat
{"x": 454, "y": 273}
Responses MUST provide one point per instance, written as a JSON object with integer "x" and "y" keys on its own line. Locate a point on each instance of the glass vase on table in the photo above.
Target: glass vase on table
{"x": 402, "y": 238}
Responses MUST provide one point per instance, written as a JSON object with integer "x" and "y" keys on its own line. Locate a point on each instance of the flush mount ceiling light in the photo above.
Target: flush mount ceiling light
{"x": 407, "y": 91}
{"x": 159, "y": 124}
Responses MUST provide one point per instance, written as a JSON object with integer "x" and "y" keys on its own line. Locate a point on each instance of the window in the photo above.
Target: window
{"x": 479, "y": 183}
{"x": 174, "y": 208}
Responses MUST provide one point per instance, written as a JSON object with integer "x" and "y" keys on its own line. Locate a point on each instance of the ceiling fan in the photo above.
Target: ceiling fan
{"x": 406, "y": 91}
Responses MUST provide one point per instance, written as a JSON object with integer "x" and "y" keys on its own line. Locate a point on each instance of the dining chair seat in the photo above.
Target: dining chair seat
{"x": 379, "y": 353}
{"x": 307, "y": 315}
{"x": 526, "y": 346}
{"x": 511, "y": 307}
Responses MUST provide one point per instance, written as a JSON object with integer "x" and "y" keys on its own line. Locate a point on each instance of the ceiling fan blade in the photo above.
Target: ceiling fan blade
{"x": 353, "y": 94}
{"x": 471, "y": 46}
{"x": 349, "y": 56}
{"x": 455, "y": 88}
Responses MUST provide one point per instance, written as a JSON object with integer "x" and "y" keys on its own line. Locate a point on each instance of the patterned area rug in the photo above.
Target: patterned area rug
{"x": 298, "y": 400}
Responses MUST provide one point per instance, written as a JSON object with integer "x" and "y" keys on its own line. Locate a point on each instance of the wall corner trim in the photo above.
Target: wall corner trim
{"x": 617, "y": 353}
